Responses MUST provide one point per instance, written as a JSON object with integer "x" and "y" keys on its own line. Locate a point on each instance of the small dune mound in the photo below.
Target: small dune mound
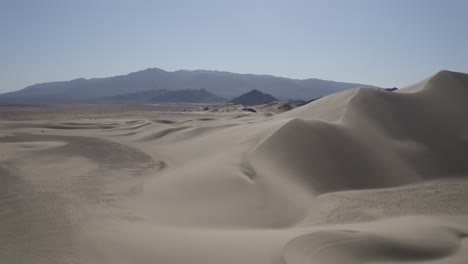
{"x": 407, "y": 241}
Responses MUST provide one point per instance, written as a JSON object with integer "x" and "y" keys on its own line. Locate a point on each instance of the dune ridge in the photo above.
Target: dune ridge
{"x": 418, "y": 135}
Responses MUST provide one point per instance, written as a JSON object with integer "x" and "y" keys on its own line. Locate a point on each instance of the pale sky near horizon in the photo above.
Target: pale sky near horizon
{"x": 380, "y": 42}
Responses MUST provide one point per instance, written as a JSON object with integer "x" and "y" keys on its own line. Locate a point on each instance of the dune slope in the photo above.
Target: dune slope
{"x": 372, "y": 138}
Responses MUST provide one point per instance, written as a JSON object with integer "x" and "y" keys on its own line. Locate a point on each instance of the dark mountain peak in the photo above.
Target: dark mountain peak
{"x": 253, "y": 97}
{"x": 255, "y": 92}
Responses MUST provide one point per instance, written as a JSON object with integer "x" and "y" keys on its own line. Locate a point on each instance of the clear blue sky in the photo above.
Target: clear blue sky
{"x": 381, "y": 42}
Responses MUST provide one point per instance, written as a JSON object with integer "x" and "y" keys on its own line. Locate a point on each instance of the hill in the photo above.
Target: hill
{"x": 253, "y": 97}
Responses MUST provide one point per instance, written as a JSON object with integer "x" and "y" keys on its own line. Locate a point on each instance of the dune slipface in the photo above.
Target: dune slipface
{"x": 360, "y": 176}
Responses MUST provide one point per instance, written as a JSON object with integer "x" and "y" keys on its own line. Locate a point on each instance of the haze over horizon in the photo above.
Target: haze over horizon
{"x": 383, "y": 43}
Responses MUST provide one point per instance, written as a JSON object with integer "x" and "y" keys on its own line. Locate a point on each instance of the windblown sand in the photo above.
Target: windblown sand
{"x": 361, "y": 176}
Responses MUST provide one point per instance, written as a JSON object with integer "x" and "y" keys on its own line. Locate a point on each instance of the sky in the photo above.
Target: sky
{"x": 379, "y": 42}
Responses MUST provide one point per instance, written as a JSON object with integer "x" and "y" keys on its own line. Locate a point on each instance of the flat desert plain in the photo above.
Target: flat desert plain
{"x": 361, "y": 176}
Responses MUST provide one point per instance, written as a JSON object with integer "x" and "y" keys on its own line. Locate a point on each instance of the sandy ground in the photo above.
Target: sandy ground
{"x": 361, "y": 176}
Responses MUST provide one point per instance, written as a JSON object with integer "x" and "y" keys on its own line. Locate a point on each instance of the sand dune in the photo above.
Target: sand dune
{"x": 403, "y": 240}
{"x": 378, "y": 139}
{"x": 360, "y": 176}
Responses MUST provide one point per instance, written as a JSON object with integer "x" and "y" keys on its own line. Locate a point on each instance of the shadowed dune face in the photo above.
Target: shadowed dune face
{"x": 338, "y": 180}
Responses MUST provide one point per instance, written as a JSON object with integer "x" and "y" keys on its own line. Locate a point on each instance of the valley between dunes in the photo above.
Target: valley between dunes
{"x": 360, "y": 176}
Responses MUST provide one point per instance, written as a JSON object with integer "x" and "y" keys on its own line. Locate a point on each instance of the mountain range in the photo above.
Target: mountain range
{"x": 164, "y": 96}
{"x": 220, "y": 84}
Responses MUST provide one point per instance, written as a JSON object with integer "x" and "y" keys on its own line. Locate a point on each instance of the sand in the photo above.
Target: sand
{"x": 361, "y": 176}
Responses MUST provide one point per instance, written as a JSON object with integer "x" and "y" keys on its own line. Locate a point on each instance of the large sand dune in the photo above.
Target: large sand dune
{"x": 361, "y": 176}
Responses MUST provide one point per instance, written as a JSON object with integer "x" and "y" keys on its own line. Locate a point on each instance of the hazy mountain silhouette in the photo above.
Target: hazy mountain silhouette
{"x": 253, "y": 97}
{"x": 187, "y": 96}
{"x": 164, "y": 96}
{"x": 223, "y": 84}
{"x": 138, "y": 97}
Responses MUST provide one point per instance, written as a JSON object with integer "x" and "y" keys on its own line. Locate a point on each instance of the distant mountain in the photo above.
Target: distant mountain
{"x": 187, "y": 96}
{"x": 163, "y": 96}
{"x": 253, "y": 97}
{"x": 138, "y": 97}
{"x": 222, "y": 84}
